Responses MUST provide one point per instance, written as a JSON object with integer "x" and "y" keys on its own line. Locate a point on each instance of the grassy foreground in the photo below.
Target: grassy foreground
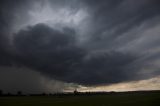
{"x": 117, "y": 99}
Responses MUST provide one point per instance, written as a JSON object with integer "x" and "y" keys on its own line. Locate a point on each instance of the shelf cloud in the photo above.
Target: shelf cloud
{"x": 87, "y": 42}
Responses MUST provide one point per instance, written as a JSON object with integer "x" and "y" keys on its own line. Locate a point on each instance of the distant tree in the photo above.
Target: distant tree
{"x": 9, "y": 94}
{"x": 43, "y": 94}
{"x": 1, "y": 92}
{"x": 75, "y": 92}
{"x": 50, "y": 94}
{"x": 19, "y": 93}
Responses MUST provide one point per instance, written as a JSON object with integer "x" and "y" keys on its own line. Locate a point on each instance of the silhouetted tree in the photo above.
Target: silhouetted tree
{"x": 19, "y": 93}
{"x": 1, "y": 92}
{"x": 76, "y": 92}
{"x": 43, "y": 94}
{"x": 9, "y": 94}
{"x": 50, "y": 94}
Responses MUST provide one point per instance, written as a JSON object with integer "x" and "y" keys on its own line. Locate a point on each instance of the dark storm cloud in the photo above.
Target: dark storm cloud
{"x": 114, "y": 18}
{"x": 49, "y": 50}
{"x": 9, "y": 11}
{"x": 104, "y": 68}
{"x": 129, "y": 13}
{"x": 112, "y": 53}
{"x": 55, "y": 53}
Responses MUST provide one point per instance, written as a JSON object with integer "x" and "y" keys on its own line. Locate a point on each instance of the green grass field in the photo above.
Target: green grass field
{"x": 137, "y": 99}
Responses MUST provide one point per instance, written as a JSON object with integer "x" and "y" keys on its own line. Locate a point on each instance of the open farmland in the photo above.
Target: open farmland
{"x": 115, "y": 99}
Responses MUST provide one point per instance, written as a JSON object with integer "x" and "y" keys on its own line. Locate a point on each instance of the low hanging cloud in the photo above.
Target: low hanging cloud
{"x": 56, "y": 54}
{"x": 49, "y": 50}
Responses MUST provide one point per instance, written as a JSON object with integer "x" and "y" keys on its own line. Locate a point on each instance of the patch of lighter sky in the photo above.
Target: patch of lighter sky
{"x": 53, "y": 17}
{"x": 148, "y": 84}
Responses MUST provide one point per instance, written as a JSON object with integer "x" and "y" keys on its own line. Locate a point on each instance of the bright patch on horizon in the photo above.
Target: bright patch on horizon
{"x": 148, "y": 84}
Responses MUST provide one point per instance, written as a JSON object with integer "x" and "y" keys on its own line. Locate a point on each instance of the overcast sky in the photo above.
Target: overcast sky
{"x": 57, "y": 45}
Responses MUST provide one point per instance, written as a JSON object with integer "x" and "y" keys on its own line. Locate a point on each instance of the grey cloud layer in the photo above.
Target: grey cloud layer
{"x": 112, "y": 53}
{"x": 112, "y": 19}
{"x": 55, "y": 53}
